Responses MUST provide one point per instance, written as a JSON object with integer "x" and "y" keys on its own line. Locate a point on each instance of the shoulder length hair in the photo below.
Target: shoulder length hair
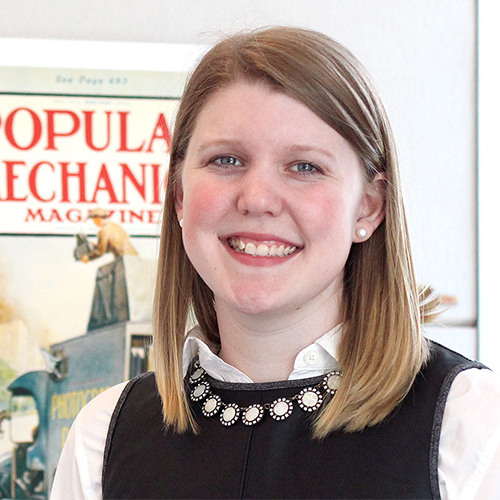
{"x": 382, "y": 348}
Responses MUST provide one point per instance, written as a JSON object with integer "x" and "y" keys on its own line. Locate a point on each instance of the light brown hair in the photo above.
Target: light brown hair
{"x": 381, "y": 349}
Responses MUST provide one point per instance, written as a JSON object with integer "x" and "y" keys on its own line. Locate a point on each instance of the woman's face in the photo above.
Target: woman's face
{"x": 271, "y": 199}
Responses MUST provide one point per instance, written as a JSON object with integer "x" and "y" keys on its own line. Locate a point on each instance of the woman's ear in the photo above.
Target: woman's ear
{"x": 372, "y": 209}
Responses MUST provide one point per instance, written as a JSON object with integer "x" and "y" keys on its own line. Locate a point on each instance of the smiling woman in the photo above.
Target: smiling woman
{"x": 257, "y": 202}
{"x": 271, "y": 101}
{"x": 307, "y": 375}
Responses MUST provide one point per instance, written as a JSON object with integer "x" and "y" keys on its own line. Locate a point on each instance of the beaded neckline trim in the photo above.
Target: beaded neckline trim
{"x": 309, "y": 399}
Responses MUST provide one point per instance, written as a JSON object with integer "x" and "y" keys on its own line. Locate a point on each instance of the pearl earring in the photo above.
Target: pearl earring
{"x": 361, "y": 233}
{"x": 180, "y": 223}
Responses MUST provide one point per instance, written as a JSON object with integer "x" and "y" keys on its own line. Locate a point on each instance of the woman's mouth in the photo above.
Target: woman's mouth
{"x": 261, "y": 249}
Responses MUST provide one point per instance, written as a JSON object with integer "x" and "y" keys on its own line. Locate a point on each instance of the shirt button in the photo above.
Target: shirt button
{"x": 311, "y": 358}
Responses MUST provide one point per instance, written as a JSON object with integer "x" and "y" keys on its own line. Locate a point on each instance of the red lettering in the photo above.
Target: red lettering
{"x": 10, "y": 178}
{"x": 161, "y": 131}
{"x": 31, "y": 216}
{"x": 65, "y": 175}
{"x": 136, "y": 215}
{"x": 33, "y": 184}
{"x": 153, "y": 216}
{"x": 123, "y": 134}
{"x": 37, "y": 129}
{"x": 104, "y": 184}
{"x": 89, "y": 130}
{"x": 156, "y": 183}
{"x": 51, "y": 132}
{"x": 74, "y": 215}
{"x": 54, "y": 216}
{"x": 127, "y": 174}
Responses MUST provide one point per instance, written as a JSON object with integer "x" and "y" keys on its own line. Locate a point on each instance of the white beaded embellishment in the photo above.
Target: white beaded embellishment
{"x": 211, "y": 406}
{"x": 253, "y": 414}
{"x": 200, "y": 392}
{"x": 309, "y": 399}
{"x": 230, "y": 414}
{"x": 197, "y": 376}
{"x": 332, "y": 382}
{"x": 281, "y": 408}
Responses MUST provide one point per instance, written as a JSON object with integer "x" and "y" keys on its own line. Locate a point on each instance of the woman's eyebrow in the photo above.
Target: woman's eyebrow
{"x": 294, "y": 148}
{"x": 219, "y": 142}
{"x": 307, "y": 148}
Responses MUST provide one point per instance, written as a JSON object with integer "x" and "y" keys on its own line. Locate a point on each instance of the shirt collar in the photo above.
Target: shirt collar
{"x": 316, "y": 359}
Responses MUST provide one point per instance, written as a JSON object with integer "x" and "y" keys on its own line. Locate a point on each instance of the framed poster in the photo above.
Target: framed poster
{"x": 85, "y": 131}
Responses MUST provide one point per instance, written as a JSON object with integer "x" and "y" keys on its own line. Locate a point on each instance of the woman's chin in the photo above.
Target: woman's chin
{"x": 258, "y": 303}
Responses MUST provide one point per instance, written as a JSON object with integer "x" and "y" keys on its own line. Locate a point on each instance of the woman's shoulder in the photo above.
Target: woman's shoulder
{"x": 476, "y": 388}
{"x": 103, "y": 404}
{"x": 80, "y": 465}
{"x": 474, "y": 396}
{"x": 94, "y": 420}
{"x": 469, "y": 460}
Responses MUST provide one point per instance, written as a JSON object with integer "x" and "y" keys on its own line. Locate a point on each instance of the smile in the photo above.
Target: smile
{"x": 261, "y": 249}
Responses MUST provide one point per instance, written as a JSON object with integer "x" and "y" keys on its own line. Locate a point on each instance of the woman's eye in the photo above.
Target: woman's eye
{"x": 227, "y": 161}
{"x": 305, "y": 168}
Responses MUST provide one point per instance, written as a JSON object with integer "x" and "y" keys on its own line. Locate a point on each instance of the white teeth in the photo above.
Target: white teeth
{"x": 250, "y": 249}
{"x": 261, "y": 250}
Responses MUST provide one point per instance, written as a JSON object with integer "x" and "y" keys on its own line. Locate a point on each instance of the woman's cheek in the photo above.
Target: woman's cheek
{"x": 320, "y": 211}
{"x": 203, "y": 201}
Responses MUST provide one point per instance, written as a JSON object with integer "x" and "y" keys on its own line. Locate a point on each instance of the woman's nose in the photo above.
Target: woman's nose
{"x": 260, "y": 193}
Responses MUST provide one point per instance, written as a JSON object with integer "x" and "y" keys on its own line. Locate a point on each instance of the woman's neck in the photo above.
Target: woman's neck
{"x": 265, "y": 348}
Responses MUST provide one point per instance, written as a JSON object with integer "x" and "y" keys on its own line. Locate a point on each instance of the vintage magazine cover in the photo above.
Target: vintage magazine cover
{"x": 73, "y": 144}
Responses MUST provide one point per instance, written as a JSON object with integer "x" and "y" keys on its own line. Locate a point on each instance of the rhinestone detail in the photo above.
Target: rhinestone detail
{"x": 211, "y": 406}
{"x": 332, "y": 382}
{"x": 253, "y": 414}
{"x": 230, "y": 414}
{"x": 197, "y": 376}
{"x": 308, "y": 399}
{"x": 281, "y": 408}
{"x": 201, "y": 391}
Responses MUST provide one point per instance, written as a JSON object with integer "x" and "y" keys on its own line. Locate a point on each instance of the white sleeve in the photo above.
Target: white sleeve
{"x": 79, "y": 470}
{"x": 469, "y": 451}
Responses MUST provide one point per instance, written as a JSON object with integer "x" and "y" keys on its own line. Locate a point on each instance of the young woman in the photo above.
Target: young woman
{"x": 307, "y": 375}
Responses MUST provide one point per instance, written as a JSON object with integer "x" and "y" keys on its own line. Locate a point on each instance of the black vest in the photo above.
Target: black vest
{"x": 396, "y": 459}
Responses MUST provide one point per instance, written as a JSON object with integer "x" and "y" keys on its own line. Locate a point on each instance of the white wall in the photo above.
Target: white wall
{"x": 488, "y": 181}
{"x": 421, "y": 53}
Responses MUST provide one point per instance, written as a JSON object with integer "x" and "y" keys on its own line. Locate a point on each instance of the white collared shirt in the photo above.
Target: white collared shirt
{"x": 314, "y": 360}
{"x": 469, "y": 449}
